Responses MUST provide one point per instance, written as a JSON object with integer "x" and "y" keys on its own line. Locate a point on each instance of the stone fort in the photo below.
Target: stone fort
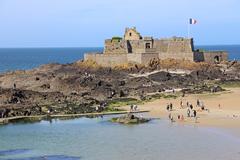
{"x": 133, "y": 48}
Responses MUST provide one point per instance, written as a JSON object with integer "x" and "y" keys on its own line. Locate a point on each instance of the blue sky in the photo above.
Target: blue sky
{"x": 79, "y": 23}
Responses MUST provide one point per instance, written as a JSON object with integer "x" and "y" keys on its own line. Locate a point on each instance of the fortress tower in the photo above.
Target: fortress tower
{"x": 132, "y": 34}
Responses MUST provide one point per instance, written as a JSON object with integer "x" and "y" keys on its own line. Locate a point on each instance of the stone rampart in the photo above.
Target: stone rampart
{"x": 119, "y": 59}
{"x": 174, "y": 45}
{"x": 181, "y": 56}
{"x": 211, "y": 56}
{"x": 115, "y": 47}
{"x": 134, "y": 58}
{"x": 146, "y": 57}
{"x": 107, "y": 60}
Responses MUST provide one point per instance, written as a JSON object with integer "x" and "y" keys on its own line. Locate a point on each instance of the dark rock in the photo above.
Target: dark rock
{"x": 121, "y": 94}
{"x": 130, "y": 119}
{"x": 160, "y": 76}
{"x": 122, "y": 83}
{"x": 46, "y": 86}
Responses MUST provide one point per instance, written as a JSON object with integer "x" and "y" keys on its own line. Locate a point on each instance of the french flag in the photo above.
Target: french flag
{"x": 193, "y": 21}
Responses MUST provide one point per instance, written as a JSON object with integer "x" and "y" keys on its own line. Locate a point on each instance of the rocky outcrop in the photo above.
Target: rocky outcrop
{"x": 76, "y": 88}
{"x": 130, "y": 119}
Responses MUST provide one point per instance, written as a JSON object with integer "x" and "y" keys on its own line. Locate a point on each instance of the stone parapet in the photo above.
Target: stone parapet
{"x": 211, "y": 56}
{"x": 107, "y": 60}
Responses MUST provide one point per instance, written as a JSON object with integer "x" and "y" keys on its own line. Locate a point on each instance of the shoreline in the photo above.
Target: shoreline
{"x": 226, "y": 116}
{"x": 5, "y": 121}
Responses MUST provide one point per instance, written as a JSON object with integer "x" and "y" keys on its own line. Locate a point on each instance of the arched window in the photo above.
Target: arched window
{"x": 130, "y": 34}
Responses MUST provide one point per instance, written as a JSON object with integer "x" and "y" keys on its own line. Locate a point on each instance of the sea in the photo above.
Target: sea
{"x": 99, "y": 139}
{"x": 27, "y": 58}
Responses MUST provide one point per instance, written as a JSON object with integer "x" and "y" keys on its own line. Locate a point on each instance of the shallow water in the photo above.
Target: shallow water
{"x": 99, "y": 139}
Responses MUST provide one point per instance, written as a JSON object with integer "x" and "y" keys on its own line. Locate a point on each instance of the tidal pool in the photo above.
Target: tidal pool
{"x": 97, "y": 138}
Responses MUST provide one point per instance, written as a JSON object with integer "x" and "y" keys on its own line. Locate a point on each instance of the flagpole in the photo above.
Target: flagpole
{"x": 188, "y": 29}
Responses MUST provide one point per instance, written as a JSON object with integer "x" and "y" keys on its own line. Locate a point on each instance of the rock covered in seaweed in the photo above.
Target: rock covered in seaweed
{"x": 130, "y": 119}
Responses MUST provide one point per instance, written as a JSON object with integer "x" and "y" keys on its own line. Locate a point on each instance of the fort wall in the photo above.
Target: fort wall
{"x": 181, "y": 56}
{"x": 146, "y": 57}
{"x": 134, "y": 58}
{"x": 211, "y": 56}
{"x": 119, "y": 59}
{"x": 133, "y": 48}
{"x": 174, "y": 45}
{"x": 115, "y": 47}
{"x": 111, "y": 60}
{"x": 136, "y": 46}
{"x": 177, "y": 48}
{"x": 107, "y": 60}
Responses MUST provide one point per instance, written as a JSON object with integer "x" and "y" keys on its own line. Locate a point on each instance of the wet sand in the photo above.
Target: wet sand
{"x": 226, "y": 116}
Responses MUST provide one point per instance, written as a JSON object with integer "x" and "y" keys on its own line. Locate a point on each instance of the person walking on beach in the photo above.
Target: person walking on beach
{"x": 194, "y": 113}
{"x": 170, "y": 116}
{"x": 198, "y": 103}
{"x": 131, "y": 108}
{"x": 135, "y": 107}
{"x": 183, "y": 94}
{"x": 171, "y": 106}
{"x": 188, "y": 112}
{"x": 168, "y": 107}
{"x": 191, "y": 106}
{"x": 96, "y": 108}
{"x": 14, "y": 86}
{"x": 179, "y": 117}
{"x": 172, "y": 120}
{"x": 219, "y": 106}
{"x": 181, "y": 104}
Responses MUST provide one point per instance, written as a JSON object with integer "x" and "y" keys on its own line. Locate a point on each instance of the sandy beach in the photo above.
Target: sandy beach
{"x": 226, "y": 116}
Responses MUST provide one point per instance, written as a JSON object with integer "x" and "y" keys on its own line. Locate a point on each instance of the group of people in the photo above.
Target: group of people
{"x": 191, "y": 111}
{"x": 179, "y": 117}
{"x": 133, "y": 107}
{"x": 101, "y": 107}
{"x": 169, "y": 107}
{"x": 4, "y": 113}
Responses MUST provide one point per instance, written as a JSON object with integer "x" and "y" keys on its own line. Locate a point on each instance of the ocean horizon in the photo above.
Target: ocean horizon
{"x": 29, "y": 58}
